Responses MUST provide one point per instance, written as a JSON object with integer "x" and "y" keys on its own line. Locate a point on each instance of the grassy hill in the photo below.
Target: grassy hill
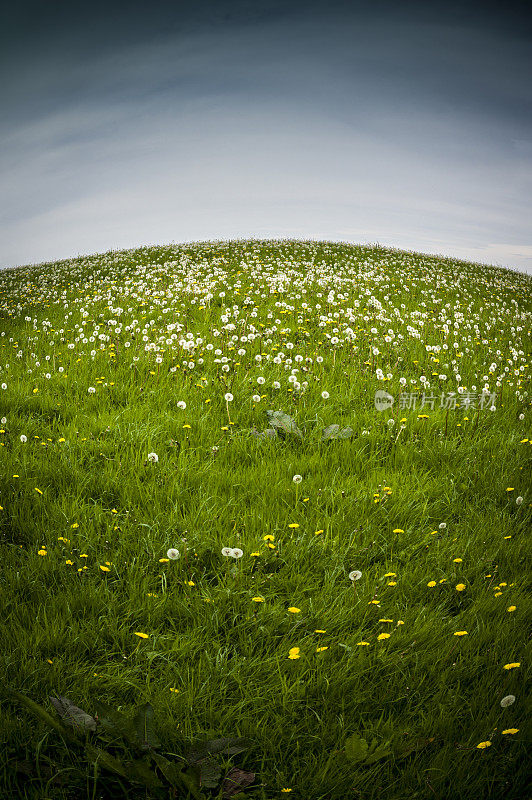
{"x": 207, "y": 521}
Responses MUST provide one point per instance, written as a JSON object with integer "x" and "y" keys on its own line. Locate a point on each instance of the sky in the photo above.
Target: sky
{"x": 404, "y": 123}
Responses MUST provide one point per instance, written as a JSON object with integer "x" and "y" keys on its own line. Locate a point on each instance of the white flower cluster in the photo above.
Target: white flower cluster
{"x": 233, "y": 552}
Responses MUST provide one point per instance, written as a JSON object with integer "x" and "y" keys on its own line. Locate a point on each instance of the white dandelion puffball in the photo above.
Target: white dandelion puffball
{"x": 325, "y": 395}
{"x": 23, "y": 438}
{"x": 182, "y": 405}
{"x": 237, "y": 552}
{"x": 91, "y": 390}
{"x": 519, "y": 500}
{"x": 297, "y": 478}
{"x": 256, "y": 398}
{"x": 355, "y": 575}
{"x": 173, "y": 553}
{"x": 228, "y": 397}
{"x": 442, "y": 526}
{"x": 153, "y": 457}
{"x": 3, "y": 420}
{"x": 508, "y": 700}
{"x": 227, "y": 551}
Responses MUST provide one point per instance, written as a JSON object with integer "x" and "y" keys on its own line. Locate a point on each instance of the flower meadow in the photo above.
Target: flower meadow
{"x": 203, "y": 509}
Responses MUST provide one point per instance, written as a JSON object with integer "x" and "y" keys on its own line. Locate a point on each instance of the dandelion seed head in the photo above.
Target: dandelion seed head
{"x": 508, "y": 700}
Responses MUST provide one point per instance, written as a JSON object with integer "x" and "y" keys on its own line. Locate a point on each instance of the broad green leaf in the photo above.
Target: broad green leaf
{"x": 377, "y": 752}
{"x": 356, "y": 748}
{"x": 100, "y": 756}
{"x": 73, "y": 716}
{"x": 330, "y": 431}
{"x": 177, "y": 778}
{"x": 171, "y": 771}
{"x": 334, "y": 432}
{"x": 283, "y": 423}
{"x": 213, "y": 746}
{"x": 115, "y": 722}
{"x": 210, "y": 772}
{"x": 269, "y": 433}
{"x": 145, "y": 727}
{"x": 140, "y": 772}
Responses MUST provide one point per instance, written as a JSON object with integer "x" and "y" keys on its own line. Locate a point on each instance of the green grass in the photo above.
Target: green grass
{"x": 84, "y": 560}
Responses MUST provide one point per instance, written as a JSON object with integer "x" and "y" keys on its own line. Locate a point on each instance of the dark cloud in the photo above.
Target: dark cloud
{"x": 406, "y": 123}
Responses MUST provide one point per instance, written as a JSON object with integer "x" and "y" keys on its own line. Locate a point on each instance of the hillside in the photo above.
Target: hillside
{"x": 206, "y": 507}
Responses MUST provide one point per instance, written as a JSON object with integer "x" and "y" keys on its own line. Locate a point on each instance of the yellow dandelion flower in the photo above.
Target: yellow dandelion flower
{"x": 104, "y": 569}
{"x": 38, "y": 490}
{"x": 431, "y": 583}
{"x": 398, "y": 530}
{"x": 294, "y": 610}
{"x": 383, "y": 636}
{"x": 142, "y": 635}
{"x": 510, "y": 489}
{"x": 294, "y": 525}
{"x": 390, "y": 575}
{"x": 374, "y": 603}
{"x": 319, "y": 631}
{"x": 42, "y": 553}
{"x": 510, "y": 730}
{"x": 269, "y": 537}
{"x": 460, "y": 633}
{"x": 258, "y": 599}
{"x": 511, "y": 608}
{"x": 321, "y": 649}
{"x": 255, "y": 554}
{"x": 460, "y": 587}
{"x": 363, "y": 643}
{"x": 513, "y": 665}
{"x": 190, "y": 583}
{"x": 392, "y": 583}
{"x": 400, "y": 622}
{"x": 317, "y": 533}
{"x": 483, "y": 745}
{"x": 457, "y": 560}
{"x": 75, "y": 525}
{"x": 386, "y": 620}
{"x": 293, "y": 653}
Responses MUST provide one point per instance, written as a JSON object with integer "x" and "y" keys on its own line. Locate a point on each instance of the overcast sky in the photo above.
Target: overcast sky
{"x": 403, "y": 123}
